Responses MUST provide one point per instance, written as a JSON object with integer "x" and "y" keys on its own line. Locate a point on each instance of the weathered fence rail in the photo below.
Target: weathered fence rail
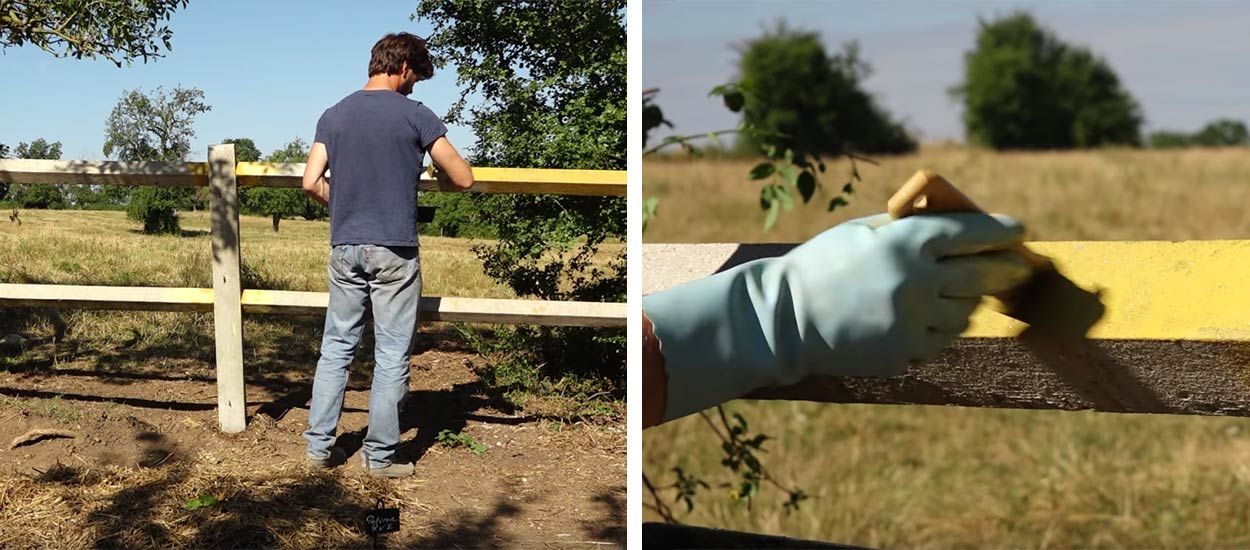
{"x": 1170, "y": 333}
{"x": 228, "y": 301}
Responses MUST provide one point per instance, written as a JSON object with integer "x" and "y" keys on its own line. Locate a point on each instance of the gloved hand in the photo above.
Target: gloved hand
{"x": 864, "y": 298}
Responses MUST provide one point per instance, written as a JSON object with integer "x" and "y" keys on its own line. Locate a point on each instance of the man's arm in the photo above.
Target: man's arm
{"x": 314, "y": 183}
{"x": 449, "y": 162}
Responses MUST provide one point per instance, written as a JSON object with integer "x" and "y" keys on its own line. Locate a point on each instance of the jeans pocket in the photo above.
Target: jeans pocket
{"x": 338, "y": 261}
{"x": 392, "y": 264}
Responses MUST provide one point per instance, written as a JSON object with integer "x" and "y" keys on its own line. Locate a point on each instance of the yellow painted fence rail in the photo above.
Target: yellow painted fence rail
{"x": 1173, "y": 335}
{"x": 227, "y": 300}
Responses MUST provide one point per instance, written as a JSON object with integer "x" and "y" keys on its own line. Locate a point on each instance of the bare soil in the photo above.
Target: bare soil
{"x": 145, "y": 443}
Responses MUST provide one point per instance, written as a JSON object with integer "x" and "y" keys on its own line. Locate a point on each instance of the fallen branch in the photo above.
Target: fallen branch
{"x": 38, "y": 434}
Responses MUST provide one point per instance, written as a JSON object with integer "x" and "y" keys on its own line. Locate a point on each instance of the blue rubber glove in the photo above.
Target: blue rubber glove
{"x": 864, "y": 298}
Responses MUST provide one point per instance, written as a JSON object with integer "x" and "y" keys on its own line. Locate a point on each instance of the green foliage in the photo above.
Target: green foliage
{"x": 457, "y": 216}
{"x": 1166, "y": 139}
{"x": 1024, "y": 88}
{"x": 788, "y": 165}
{"x": 552, "y": 81}
{"x": 157, "y": 208}
{"x": 202, "y": 501}
{"x": 155, "y": 128}
{"x": 452, "y": 440}
{"x": 37, "y": 195}
{"x": 116, "y": 30}
{"x": 814, "y": 101}
{"x": 277, "y": 203}
{"x": 581, "y": 367}
{"x": 551, "y": 78}
{"x": 244, "y": 149}
{"x": 4, "y": 187}
{"x": 741, "y": 450}
{"x": 1224, "y": 132}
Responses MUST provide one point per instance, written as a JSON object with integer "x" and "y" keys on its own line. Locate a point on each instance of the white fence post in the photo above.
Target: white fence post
{"x": 227, "y": 289}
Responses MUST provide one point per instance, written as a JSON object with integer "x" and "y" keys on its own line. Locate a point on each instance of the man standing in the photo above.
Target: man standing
{"x": 374, "y": 142}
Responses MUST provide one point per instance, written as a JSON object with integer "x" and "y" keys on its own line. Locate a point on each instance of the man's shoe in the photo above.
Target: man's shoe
{"x": 337, "y": 456}
{"x": 395, "y": 469}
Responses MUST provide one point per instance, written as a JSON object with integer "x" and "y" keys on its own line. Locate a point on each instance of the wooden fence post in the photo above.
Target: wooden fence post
{"x": 227, "y": 290}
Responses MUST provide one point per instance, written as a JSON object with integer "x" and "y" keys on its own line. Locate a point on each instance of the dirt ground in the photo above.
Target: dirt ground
{"x": 143, "y": 445}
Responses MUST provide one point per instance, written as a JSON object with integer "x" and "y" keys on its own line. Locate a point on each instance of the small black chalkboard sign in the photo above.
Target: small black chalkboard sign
{"x": 382, "y": 520}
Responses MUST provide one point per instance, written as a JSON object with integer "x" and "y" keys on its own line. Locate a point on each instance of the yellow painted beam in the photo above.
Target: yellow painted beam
{"x": 269, "y": 174}
{"x": 1152, "y": 290}
{"x": 1174, "y": 336}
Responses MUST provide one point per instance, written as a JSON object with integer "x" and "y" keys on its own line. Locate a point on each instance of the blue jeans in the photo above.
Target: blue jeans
{"x": 389, "y": 278}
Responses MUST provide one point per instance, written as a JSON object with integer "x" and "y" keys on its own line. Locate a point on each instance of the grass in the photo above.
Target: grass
{"x": 913, "y": 476}
{"x": 104, "y": 248}
{"x": 1115, "y": 194}
{"x": 54, "y": 408}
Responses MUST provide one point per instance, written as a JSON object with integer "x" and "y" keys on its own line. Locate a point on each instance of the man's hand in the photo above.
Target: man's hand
{"x": 864, "y": 298}
{"x": 451, "y": 167}
{"x": 314, "y": 183}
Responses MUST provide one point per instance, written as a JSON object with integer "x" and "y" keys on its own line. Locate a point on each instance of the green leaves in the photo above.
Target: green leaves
{"x": 202, "y": 501}
{"x": 452, "y": 439}
{"x": 117, "y": 30}
{"x": 763, "y": 170}
{"x": 650, "y": 207}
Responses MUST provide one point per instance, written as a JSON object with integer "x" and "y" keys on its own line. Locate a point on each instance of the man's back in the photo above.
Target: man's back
{"x": 376, "y": 142}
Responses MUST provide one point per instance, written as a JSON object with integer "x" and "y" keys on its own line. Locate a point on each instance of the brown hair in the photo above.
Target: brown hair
{"x": 394, "y": 49}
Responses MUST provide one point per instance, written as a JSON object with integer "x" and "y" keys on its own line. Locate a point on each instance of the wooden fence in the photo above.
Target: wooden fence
{"x": 1152, "y": 327}
{"x": 227, "y": 300}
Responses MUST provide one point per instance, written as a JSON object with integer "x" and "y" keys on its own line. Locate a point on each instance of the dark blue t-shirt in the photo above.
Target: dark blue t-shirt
{"x": 376, "y": 141}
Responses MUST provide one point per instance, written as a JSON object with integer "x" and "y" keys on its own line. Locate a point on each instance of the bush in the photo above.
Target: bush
{"x": 157, "y": 208}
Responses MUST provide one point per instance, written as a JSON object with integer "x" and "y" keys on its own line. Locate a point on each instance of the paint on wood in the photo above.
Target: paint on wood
{"x": 1173, "y": 337}
{"x": 267, "y": 174}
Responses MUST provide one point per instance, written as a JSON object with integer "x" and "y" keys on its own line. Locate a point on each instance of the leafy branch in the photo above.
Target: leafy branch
{"x": 740, "y": 448}
{"x": 787, "y": 167}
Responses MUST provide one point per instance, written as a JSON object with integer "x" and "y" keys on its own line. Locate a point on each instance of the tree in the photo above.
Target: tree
{"x": 272, "y": 201}
{"x": 552, "y": 81}
{"x": 155, "y": 128}
{"x": 809, "y": 97}
{"x": 551, "y": 78}
{"x": 37, "y": 195}
{"x": 244, "y": 149}
{"x": 4, "y": 187}
{"x": 1024, "y": 88}
{"x": 117, "y": 30}
{"x": 1222, "y": 133}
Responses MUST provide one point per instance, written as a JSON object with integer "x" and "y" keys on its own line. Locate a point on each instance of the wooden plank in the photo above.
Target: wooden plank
{"x": 191, "y": 174}
{"x": 1174, "y": 336}
{"x": 266, "y": 174}
{"x": 107, "y": 297}
{"x": 227, "y": 289}
{"x": 433, "y": 308}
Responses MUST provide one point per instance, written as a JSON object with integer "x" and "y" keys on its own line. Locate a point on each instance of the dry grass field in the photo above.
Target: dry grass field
{"x": 939, "y": 477}
{"x": 1090, "y": 195}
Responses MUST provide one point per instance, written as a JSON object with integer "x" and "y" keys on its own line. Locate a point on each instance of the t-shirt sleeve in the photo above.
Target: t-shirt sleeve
{"x": 323, "y": 130}
{"x": 429, "y": 127}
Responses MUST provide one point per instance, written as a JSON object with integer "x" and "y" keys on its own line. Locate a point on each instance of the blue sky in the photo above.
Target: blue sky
{"x": 268, "y": 69}
{"x": 1185, "y": 62}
